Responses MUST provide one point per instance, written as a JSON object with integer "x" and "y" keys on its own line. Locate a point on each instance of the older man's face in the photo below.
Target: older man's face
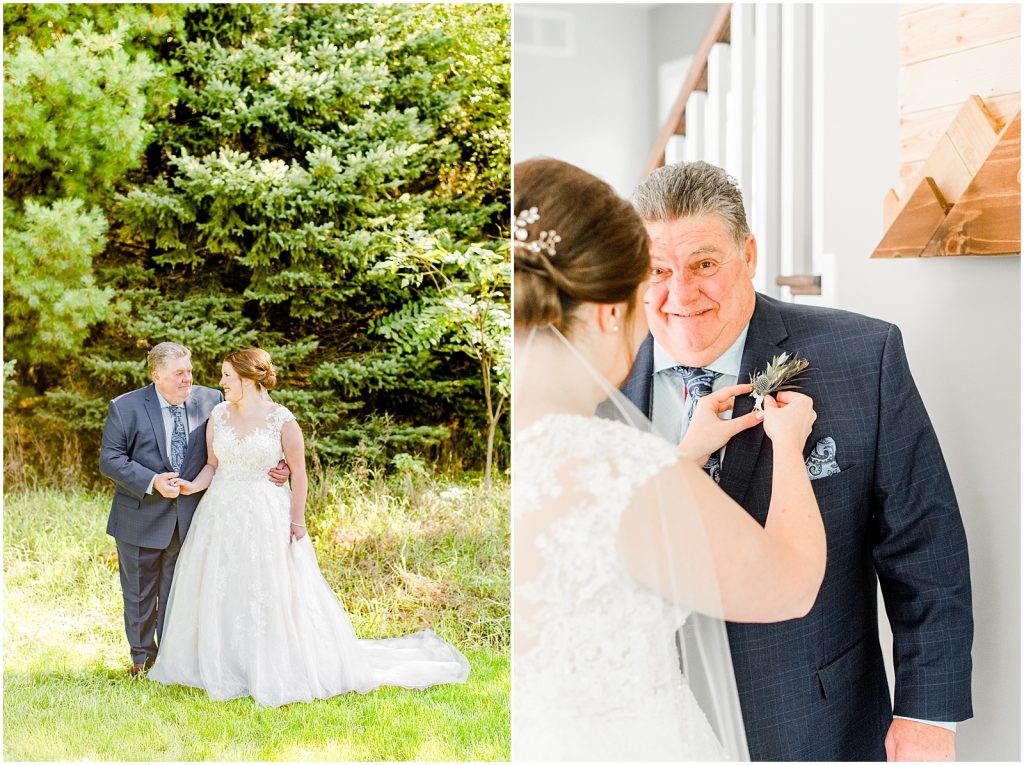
{"x": 701, "y": 293}
{"x": 174, "y": 379}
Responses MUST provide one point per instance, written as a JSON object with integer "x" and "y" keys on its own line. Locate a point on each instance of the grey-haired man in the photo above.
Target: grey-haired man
{"x": 815, "y": 688}
{"x": 152, "y": 436}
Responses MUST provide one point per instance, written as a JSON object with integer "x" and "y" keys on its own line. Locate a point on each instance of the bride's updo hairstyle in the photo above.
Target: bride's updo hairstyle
{"x": 254, "y": 364}
{"x": 575, "y": 241}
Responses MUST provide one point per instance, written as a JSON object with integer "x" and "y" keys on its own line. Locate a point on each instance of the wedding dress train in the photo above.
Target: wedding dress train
{"x": 249, "y": 612}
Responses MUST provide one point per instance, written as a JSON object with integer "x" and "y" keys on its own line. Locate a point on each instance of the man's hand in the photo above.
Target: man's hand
{"x": 280, "y": 474}
{"x": 167, "y": 485}
{"x": 912, "y": 741}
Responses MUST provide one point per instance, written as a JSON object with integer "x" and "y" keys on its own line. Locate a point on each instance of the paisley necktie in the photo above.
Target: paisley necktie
{"x": 698, "y": 383}
{"x": 178, "y": 438}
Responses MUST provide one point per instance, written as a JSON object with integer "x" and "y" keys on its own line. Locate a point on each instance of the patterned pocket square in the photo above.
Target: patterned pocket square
{"x": 821, "y": 462}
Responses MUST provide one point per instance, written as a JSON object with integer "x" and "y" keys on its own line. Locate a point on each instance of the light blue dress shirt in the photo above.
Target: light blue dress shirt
{"x": 668, "y": 409}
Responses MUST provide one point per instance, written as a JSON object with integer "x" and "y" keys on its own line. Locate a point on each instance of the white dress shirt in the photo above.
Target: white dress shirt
{"x": 165, "y": 411}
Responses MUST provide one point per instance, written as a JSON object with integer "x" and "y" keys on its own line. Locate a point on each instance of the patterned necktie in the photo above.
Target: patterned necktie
{"x": 178, "y": 438}
{"x": 698, "y": 383}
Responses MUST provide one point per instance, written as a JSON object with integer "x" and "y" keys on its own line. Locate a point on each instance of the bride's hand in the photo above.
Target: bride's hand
{"x": 788, "y": 419}
{"x": 297, "y": 533}
{"x": 707, "y": 432}
{"x": 185, "y": 487}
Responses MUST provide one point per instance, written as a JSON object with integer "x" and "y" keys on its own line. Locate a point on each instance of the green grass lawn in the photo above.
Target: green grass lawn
{"x": 401, "y": 556}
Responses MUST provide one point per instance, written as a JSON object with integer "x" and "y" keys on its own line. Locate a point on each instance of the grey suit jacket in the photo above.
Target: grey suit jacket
{"x": 815, "y": 688}
{"x": 134, "y": 449}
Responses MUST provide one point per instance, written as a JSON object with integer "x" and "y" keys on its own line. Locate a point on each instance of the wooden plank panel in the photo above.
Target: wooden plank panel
{"x": 947, "y": 170}
{"x": 920, "y": 131}
{"x": 890, "y": 209}
{"x": 919, "y": 219}
{"x": 989, "y": 71}
{"x": 908, "y": 173}
{"x": 946, "y": 29}
{"x": 959, "y": 153}
{"x": 907, "y": 9}
{"x": 986, "y": 220}
{"x": 973, "y": 134}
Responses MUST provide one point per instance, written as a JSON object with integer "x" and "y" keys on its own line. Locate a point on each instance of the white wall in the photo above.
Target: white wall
{"x": 596, "y": 107}
{"x": 960, "y": 319}
{"x": 677, "y": 29}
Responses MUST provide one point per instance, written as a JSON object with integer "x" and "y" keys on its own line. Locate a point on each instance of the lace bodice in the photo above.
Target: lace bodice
{"x": 593, "y": 634}
{"x": 594, "y": 644}
{"x": 247, "y": 457}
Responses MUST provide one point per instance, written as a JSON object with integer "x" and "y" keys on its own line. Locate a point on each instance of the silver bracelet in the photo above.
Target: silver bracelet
{"x": 300, "y": 525}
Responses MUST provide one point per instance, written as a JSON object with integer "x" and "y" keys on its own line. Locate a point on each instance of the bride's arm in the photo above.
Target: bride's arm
{"x": 762, "y": 574}
{"x": 295, "y": 455}
{"x": 202, "y": 481}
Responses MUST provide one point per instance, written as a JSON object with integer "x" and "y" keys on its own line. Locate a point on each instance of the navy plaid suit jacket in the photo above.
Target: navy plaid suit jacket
{"x": 134, "y": 449}
{"x": 815, "y": 688}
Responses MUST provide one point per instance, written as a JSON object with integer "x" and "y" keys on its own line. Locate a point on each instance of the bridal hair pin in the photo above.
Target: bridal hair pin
{"x": 778, "y": 375}
{"x": 545, "y": 241}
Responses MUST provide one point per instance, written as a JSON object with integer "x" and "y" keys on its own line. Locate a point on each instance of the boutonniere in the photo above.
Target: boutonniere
{"x": 777, "y": 376}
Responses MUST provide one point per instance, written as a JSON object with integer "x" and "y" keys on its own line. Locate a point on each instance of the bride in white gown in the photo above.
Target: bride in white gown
{"x": 619, "y": 536}
{"x": 249, "y": 612}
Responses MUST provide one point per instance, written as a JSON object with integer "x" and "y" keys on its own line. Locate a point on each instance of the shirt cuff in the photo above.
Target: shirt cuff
{"x": 152, "y": 480}
{"x": 947, "y": 725}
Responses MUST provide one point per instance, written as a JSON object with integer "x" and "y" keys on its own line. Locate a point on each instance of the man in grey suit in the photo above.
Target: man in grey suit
{"x": 814, "y": 688}
{"x": 152, "y": 436}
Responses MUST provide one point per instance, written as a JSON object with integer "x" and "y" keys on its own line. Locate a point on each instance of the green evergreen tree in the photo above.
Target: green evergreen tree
{"x": 75, "y": 104}
{"x": 297, "y": 156}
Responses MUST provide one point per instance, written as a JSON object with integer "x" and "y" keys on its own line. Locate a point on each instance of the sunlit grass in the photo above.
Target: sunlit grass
{"x": 401, "y": 555}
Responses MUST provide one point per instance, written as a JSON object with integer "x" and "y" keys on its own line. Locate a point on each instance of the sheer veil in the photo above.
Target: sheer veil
{"x": 619, "y": 649}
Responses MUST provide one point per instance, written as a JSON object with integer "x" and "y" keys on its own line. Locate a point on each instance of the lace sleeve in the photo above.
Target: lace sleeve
{"x": 605, "y": 460}
{"x": 279, "y": 417}
{"x": 219, "y": 413}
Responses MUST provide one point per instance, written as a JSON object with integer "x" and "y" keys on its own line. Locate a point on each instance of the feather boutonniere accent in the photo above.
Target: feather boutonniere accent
{"x": 778, "y": 375}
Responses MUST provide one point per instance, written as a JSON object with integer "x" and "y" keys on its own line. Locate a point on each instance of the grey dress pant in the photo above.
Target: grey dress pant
{"x": 145, "y": 585}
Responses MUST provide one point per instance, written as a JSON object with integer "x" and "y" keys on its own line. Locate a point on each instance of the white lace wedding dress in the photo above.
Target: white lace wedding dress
{"x": 250, "y": 613}
{"x": 596, "y": 671}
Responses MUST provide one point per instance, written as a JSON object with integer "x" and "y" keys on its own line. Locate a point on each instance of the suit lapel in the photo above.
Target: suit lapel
{"x": 766, "y": 331}
{"x": 156, "y": 417}
{"x": 639, "y": 384}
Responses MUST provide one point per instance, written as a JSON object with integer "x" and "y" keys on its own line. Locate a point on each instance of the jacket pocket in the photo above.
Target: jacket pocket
{"x": 836, "y": 483}
{"x": 840, "y": 674}
{"x": 124, "y": 502}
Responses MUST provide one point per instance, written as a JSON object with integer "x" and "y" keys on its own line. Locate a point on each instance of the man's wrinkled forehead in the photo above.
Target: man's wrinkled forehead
{"x": 177, "y": 366}
{"x": 697, "y": 252}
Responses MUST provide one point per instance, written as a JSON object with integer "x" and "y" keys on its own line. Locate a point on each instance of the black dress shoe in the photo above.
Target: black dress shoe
{"x": 140, "y": 667}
